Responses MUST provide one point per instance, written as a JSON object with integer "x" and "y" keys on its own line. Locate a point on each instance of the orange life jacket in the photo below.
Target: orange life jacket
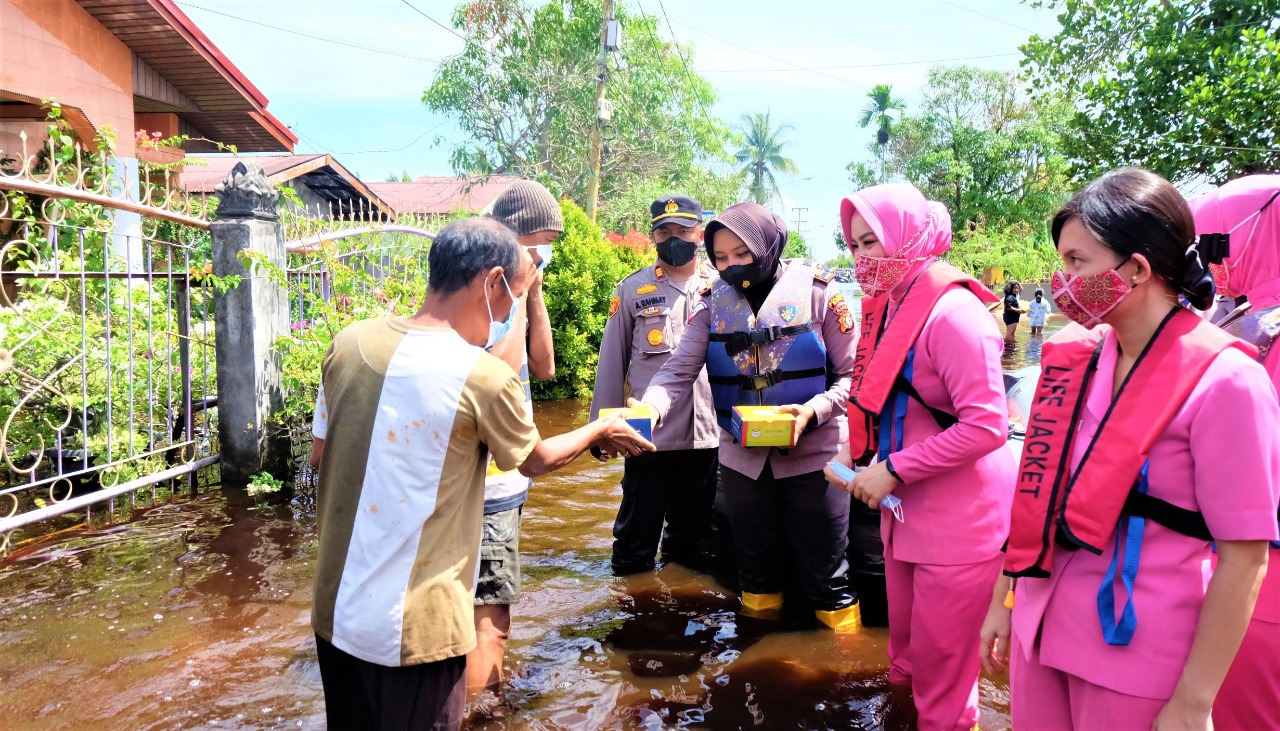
{"x": 883, "y": 348}
{"x": 1081, "y": 509}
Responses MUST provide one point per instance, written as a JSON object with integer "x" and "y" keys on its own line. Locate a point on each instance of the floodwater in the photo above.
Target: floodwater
{"x": 196, "y": 615}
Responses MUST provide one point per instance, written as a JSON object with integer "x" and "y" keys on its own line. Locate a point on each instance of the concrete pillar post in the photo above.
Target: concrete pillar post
{"x": 248, "y": 319}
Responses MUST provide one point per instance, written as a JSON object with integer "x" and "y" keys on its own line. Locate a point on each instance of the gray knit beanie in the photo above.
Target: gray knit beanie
{"x": 526, "y": 208}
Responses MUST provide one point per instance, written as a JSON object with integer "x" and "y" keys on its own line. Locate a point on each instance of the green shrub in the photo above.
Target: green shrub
{"x": 579, "y": 283}
{"x": 1025, "y": 254}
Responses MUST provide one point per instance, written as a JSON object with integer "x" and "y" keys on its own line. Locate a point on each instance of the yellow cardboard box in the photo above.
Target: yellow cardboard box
{"x": 763, "y": 426}
{"x": 641, "y": 418}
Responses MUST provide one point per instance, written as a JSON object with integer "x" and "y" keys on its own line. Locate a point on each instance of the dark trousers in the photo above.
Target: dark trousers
{"x": 803, "y": 514}
{"x": 674, "y": 488}
{"x": 866, "y": 563}
{"x": 361, "y": 695}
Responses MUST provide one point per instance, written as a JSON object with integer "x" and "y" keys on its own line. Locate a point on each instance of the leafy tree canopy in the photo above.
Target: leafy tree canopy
{"x": 523, "y": 92}
{"x": 761, "y": 157}
{"x": 980, "y": 146}
{"x": 1185, "y": 88}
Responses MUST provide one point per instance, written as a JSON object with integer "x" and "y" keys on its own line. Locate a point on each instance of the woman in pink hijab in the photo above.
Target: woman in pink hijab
{"x": 927, "y": 403}
{"x": 1241, "y": 221}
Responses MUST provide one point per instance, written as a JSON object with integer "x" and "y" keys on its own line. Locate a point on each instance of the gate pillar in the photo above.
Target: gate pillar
{"x": 248, "y": 318}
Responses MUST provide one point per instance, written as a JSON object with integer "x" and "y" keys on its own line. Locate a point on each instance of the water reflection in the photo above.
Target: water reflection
{"x": 196, "y": 615}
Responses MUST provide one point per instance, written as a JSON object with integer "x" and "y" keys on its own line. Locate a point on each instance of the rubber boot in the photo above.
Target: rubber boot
{"x": 762, "y": 606}
{"x": 843, "y": 621}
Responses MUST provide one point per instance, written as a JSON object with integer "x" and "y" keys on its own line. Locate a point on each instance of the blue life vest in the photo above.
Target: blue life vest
{"x": 772, "y": 358}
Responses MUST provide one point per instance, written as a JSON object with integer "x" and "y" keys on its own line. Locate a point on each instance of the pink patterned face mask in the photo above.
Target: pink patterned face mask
{"x": 1088, "y": 299}
{"x": 879, "y": 274}
{"x": 1221, "y": 276}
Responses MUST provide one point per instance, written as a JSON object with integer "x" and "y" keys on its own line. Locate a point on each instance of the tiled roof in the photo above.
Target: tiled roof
{"x": 442, "y": 194}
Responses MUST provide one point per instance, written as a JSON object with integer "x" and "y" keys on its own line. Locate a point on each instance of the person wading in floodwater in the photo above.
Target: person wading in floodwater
{"x": 1243, "y": 219}
{"x": 928, "y": 404}
{"x": 409, "y": 411}
{"x": 676, "y": 485}
{"x": 1152, "y": 433}
{"x": 773, "y": 333}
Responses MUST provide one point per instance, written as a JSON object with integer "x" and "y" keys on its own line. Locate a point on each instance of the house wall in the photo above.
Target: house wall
{"x": 53, "y": 48}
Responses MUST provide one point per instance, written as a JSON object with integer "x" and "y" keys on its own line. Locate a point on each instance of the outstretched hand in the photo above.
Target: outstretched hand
{"x": 617, "y": 437}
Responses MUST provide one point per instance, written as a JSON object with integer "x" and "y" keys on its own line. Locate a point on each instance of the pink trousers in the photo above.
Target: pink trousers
{"x": 1250, "y": 695}
{"x": 935, "y": 617}
{"x": 1044, "y": 699}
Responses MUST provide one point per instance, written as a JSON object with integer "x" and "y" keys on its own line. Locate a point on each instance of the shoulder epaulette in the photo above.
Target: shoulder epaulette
{"x": 706, "y": 290}
{"x": 632, "y": 275}
{"x": 822, "y": 275}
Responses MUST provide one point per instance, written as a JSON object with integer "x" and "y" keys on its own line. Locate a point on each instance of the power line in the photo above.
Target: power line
{"x": 988, "y": 17}
{"x": 683, "y": 62}
{"x": 775, "y": 58}
{"x": 863, "y": 65}
{"x": 312, "y": 141}
{"x": 433, "y": 20}
{"x": 307, "y": 35}
{"x": 398, "y": 149}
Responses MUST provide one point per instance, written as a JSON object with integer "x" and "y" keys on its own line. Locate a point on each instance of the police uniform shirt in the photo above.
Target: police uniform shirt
{"x": 647, "y": 317}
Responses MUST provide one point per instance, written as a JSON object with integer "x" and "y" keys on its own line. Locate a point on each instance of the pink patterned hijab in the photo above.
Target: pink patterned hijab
{"x": 910, "y": 227}
{"x": 907, "y": 224}
{"x": 1253, "y": 266}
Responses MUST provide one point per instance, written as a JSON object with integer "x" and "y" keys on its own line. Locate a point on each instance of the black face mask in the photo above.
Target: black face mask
{"x": 743, "y": 277}
{"x": 676, "y": 251}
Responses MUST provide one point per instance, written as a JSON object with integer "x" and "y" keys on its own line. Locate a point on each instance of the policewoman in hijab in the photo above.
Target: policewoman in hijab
{"x": 773, "y": 333}
{"x": 1239, "y": 229}
{"x": 928, "y": 405}
{"x": 1151, "y": 433}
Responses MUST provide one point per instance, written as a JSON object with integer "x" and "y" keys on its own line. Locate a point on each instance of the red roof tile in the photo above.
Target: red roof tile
{"x": 442, "y": 195}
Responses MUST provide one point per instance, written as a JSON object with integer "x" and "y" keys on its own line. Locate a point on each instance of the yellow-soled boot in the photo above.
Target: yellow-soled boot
{"x": 762, "y": 606}
{"x": 843, "y": 621}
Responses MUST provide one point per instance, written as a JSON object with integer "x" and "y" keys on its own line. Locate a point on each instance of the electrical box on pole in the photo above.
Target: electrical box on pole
{"x": 604, "y": 111}
{"x": 612, "y": 35}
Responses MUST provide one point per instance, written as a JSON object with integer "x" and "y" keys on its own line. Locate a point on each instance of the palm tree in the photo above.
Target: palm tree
{"x": 882, "y": 109}
{"x": 761, "y": 157}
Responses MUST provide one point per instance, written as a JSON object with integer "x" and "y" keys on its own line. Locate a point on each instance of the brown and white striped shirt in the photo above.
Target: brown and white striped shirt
{"x": 409, "y": 416}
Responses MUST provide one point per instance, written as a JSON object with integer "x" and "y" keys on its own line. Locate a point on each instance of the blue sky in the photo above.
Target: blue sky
{"x": 364, "y": 106}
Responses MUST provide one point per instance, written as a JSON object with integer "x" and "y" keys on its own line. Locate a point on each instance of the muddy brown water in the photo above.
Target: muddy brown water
{"x": 196, "y": 615}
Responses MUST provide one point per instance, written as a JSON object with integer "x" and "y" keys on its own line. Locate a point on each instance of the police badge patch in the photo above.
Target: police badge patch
{"x": 787, "y": 312}
{"x": 614, "y": 304}
{"x": 840, "y": 308}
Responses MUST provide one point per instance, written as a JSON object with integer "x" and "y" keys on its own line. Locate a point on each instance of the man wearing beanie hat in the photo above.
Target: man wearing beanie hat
{"x": 533, "y": 215}
{"x": 647, "y": 315}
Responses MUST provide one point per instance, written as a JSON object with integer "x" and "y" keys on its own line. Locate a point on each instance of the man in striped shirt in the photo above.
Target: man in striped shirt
{"x": 407, "y": 416}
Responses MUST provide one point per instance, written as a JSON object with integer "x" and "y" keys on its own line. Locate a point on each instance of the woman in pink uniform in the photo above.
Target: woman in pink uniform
{"x": 1242, "y": 218}
{"x": 1151, "y": 433}
{"x": 927, "y": 400}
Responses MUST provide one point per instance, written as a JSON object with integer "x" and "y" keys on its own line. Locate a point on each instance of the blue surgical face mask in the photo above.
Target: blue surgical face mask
{"x": 544, "y": 253}
{"x": 497, "y": 330}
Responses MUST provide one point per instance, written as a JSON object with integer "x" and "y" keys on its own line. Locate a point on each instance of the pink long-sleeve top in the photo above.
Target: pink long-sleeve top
{"x": 816, "y": 447}
{"x": 957, "y": 490}
{"x": 1218, "y": 456}
{"x": 1268, "y": 607}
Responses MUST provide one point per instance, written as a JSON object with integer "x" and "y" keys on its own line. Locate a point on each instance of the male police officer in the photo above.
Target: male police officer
{"x": 647, "y": 316}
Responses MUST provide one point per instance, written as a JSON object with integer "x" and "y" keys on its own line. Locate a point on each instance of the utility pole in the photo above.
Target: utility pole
{"x": 800, "y": 221}
{"x": 602, "y": 112}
